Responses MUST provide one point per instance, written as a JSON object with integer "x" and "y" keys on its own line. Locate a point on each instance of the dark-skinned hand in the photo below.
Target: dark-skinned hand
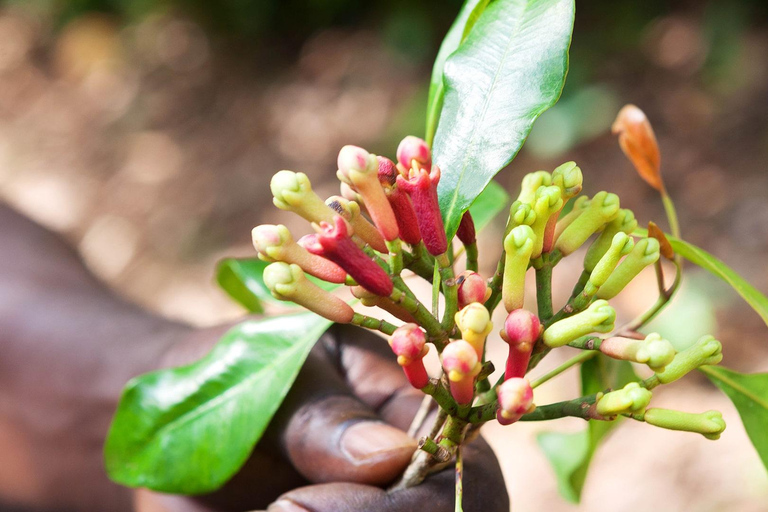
{"x": 68, "y": 346}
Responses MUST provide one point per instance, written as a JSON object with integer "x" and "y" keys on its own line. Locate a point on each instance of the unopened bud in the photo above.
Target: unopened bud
{"x": 413, "y": 149}
{"x": 293, "y": 192}
{"x": 338, "y": 247}
{"x": 275, "y": 243}
{"x": 350, "y": 211}
{"x": 475, "y": 325}
{"x": 569, "y": 178}
{"x": 603, "y": 208}
{"x": 518, "y": 246}
{"x": 515, "y": 399}
{"x": 654, "y": 350}
{"x": 288, "y": 282}
{"x": 638, "y": 142}
{"x": 361, "y": 169}
{"x": 466, "y": 232}
{"x": 579, "y": 206}
{"x": 547, "y": 204}
{"x": 461, "y": 364}
{"x": 598, "y": 317}
{"x": 645, "y": 252}
{"x": 472, "y": 288}
{"x": 521, "y": 330}
{"x": 408, "y": 344}
{"x": 706, "y": 351}
{"x": 630, "y": 399}
{"x": 621, "y": 245}
{"x": 400, "y": 202}
{"x": 624, "y": 223}
{"x": 531, "y": 183}
{"x": 710, "y": 424}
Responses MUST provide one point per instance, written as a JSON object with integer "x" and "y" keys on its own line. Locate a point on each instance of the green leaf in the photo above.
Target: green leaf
{"x": 188, "y": 430}
{"x": 710, "y": 263}
{"x": 509, "y": 70}
{"x": 570, "y": 454}
{"x": 491, "y": 201}
{"x": 241, "y": 279}
{"x": 749, "y": 393}
{"x": 461, "y": 27}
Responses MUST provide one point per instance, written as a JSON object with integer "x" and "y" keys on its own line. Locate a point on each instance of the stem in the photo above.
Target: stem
{"x": 422, "y": 316}
{"x": 669, "y": 209}
{"x": 421, "y": 415}
{"x": 375, "y": 324}
{"x": 544, "y": 289}
{"x": 664, "y": 297}
{"x": 586, "y": 343}
{"x": 582, "y": 407}
{"x": 582, "y": 357}
{"x": 438, "y": 424}
{"x": 450, "y": 292}
{"x": 495, "y": 285}
{"x": 442, "y": 396}
{"x": 471, "y": 256}
{"x": 459, "y": 478}
{"x": 395, "y": 256}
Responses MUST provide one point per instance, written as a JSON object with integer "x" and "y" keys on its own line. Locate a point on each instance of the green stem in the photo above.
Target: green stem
{"x": 495, "y": 285}
{"x": 669, "y": 209}
{"x": 450, "y": 292}
{"x": 586, "y": 343}
{"x": 373, "y": 323}
{"x": 421, "y": 315}
{"x": 544, "y": 290}
{"x": 581, "y": 407}
{"x": 442, "y": 396}
{"x": 664, "y": 297}
{"x": 582, "y": 357}
{"x": 459, "y": 478}
{"x": 471, "y": 256}
{"x": 395, "y": 256}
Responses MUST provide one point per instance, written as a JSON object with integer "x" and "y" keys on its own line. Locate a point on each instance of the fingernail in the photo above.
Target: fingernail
{"x": 366, "y": 441}
{"x": 285, "y": 506}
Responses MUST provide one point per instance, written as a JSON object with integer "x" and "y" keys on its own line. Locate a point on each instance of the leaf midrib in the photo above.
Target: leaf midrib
{"x": 486, "y": 103}
{"x": 736, "y": 386}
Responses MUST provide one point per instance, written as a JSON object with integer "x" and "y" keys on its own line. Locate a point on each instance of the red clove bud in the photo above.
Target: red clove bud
{"x": 515, "y": 399}
{"x": 409, "y": 344}
{"x": 400, "y": 202}
{"x": 421, "y": 186}
{"x": 462, "y": 366}
{"x": 338, "y": 247}
{"x": 413, "y": 149}
{"x": 466, "y": 232}
{"x": 472, "y": 288}
{"x": 521, "y": 330}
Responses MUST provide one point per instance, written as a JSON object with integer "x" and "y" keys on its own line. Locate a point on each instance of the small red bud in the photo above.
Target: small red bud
{"x": 521, "y": 330}
{"x": 466, "y": 231}
{"x": 461, "y": 364}
{"x": 408, "y": 343}
{"x": 338, "y": 247}
{"x": 472, "y": 288}
{"x": 413, "y": 148}
{"x": 515, "y": 399}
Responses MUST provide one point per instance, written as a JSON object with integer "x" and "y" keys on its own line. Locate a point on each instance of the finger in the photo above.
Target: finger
{"x": 330, "y": 435}
{"x": 369, "y": 366}
{"x": 484, "y": 489}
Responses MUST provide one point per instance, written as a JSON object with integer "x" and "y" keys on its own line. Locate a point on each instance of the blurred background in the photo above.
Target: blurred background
{"x": 145, "y": 132}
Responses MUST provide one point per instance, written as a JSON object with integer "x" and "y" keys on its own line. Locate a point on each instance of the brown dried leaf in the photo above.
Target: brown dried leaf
{"x": 665, "y": 247}
{"x": 638, "y": 142}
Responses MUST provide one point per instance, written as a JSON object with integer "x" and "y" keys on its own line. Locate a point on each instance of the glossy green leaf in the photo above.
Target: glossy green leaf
{"x": 710, "y": 263}
{"x": 461, "y": 27}
{"x": 570, "y": 454}
{"x": 491, "y": 201}
{"x": 749, "y": 393}
{"x": 188, "y": 430}
{"x": 509, "y": 70}
{"x": 243, "y": 280}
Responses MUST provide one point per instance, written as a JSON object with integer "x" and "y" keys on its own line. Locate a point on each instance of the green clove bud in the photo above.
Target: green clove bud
{"x": 517, "y": 246}
{"x": 630, "y": 399}
{"x": 710, "y": 424}
{"x": 707, "y": 350}
{"x": 625, "y": 222}
{"x": 603, "y": 208}
{"x": 646, "y": 252}
{"x": 598, "y": 317}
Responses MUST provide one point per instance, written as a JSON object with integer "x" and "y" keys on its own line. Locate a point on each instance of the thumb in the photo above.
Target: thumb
{"x": 330, "y": 436}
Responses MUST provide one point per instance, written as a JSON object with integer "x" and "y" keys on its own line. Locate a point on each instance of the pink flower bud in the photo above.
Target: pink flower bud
{"x": 338, "y": 247}
{"x": 421, "y": 186}
{"x": 413, "y": 148}
{"x": 475, "y": 325}
{"x": 462, "y": 366}
{"x": 408, "y": 343}
{"x": 361, "y": 169}
{"x": 521, "y": 330}
{"x": 466, "y": 231}
{"x": 472, "y": 288}
{"x": 399, "y": 201}
{"x": 275, "y": 243}
{"x": 515, "y": 399}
